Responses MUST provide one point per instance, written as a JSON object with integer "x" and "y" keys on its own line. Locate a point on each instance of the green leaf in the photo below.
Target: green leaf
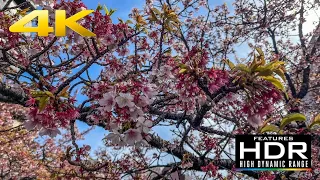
{"x": 99, "y": 7}
{"x": 106, "y": 9}
{"x": 269, "y": 128}
{"x": 274, "y": 65}
{"x": 156, "y": 11}
{"x": 275, "y": 82}
{"x": 290, "y": 118}
{"x": 168, "y": 26}
{"x": 172, "y": 15}
{"x": 229, "y": 63}
{"x": 129, "y": 21}
{"x": 140, "y": 20}
{"x": 182, "y": 71}
{"x": 64, "y": 92}
{"x": 266, "y": 72}
{"x": 176, "y": 21}
{"x": 112, "y": 11}
{"x": 242, "y": 67}
{"x": 144, "y": 30}
{"x": 286, "y": 94}
{"x": 260, "y": 52}
{"x": 153, "y": 16}
{"x": 175, "y": 24}
{"x": 43, "y": 103}
{"x": 281, "y": 74}
{"x": 317, "y": 118}
{"x": 48, "y": 93}
{"x": 36, "y": 94}
{"x": 315, "y": 121}
{"x": 183, "y": 66}
{"x": 121, "y": 21}
{"x": 313, "y": 124}
{"x": 253, "y": 66}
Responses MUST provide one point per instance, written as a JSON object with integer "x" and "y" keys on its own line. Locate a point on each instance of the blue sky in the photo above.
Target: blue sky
{"x": 123, "y": 6}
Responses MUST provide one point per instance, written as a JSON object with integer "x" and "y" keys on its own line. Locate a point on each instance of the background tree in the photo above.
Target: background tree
{"x": 176, "y": 64}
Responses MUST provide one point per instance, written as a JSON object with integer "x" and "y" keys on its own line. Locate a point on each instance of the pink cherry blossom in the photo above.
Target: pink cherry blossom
{"x": 115, "y": 138}
{"x": 125, "y": 100}
{"x": 144, "y": 101}
{"x": 108, "y": 101}
{"x": 144, "y": 125}
{"x": 255, "y": 120}
{"x": 132, "y": 136}
{"x": 29, "y": 125}
{"x": 50, "y": 132}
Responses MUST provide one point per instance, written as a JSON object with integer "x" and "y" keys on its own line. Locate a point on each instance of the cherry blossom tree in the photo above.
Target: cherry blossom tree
{"x": 173, "y": 64}
{"x": 23, "y": 156}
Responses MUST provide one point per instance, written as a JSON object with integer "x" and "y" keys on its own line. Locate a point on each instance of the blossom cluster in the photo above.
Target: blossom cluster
{"x": 261, "y": 104}
{"x": 123, "y": 108}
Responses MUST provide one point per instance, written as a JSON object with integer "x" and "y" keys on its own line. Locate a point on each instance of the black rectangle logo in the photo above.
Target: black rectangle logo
{"x": 273, "y": 152}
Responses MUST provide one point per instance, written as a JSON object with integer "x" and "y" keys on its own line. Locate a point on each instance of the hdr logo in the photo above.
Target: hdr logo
{"x": 273, "y": 152}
